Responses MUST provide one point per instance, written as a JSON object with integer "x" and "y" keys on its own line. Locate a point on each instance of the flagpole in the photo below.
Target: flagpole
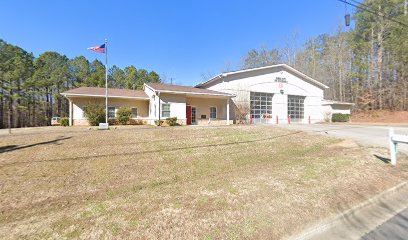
{"x": 106, "y": 81}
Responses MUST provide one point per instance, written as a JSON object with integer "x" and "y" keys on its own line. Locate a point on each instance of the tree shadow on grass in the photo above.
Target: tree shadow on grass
{"x": 171, "y": 149}
{"x": 385, "y": 160}
{"x": 10, "y": 148}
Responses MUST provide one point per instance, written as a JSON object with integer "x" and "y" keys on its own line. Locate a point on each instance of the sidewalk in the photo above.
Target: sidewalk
{"x": 360, "y": 221}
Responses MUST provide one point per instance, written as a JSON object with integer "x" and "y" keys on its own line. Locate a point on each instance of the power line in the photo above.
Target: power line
{"x": 372, "y": 12}
{"x": 364, "y": 5}
{"x": 372, "y": 9}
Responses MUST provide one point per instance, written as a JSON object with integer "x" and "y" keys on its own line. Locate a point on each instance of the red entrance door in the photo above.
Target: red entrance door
{"x": 188, "y": 114}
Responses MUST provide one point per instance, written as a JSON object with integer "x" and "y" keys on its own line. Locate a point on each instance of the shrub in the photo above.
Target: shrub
{"x": 95, "y": 114}
{"x": 326, "y": 117}
{"x": 113, "y": 121}
{"x": 171, "y": 121}
{"x": 123, "y": 115}
{"x": 241, "y": 113}
{"x": 339, "y": 117}
{"x": 137, "y": 122}
{"x": 158, "y": 122}
{"x": 64, "y": 122}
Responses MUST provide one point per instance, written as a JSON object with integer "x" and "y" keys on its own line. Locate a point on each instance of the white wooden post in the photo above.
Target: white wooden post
{"x": 228, "y": 112}
{"x": 70, "y": 112}
{"x": 393, "y": 147}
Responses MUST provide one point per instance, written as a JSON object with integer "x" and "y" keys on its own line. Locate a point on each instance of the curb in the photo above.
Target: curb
{"x": 326, "y": 224}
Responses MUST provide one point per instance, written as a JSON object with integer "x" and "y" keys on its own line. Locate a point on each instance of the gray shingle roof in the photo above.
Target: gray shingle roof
{"x": 112, "y": 92}
{"x": 184, "y": 89}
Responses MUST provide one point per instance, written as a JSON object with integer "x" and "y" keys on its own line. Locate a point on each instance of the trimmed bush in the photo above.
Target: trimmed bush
{"x": 339, "y": 117}
{"x": 137, "y": 122}
{"x": 113, "y": 122}
{"x": 95, "y": 114}
{"x": 171, "y": 121}
{"x": 64, "y": 122}
{"x": 123, "y": 115}
{"x": 158, "y": 122}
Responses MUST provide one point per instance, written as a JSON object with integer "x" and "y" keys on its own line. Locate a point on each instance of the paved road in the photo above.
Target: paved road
{"x": 395, "y": 228}
{"x": 366, "y": 135}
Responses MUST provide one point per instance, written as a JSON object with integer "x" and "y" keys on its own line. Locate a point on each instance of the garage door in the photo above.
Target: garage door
{"x": 296, "y": 106}
{"x": 261, "y": 107}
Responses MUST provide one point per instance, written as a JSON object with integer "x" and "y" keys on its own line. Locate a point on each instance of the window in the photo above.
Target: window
{"x": 111, "y": 112}
{"x": 83, "y": 112}
{"x": 261, "y": 106}
{"x": 165, "y": 110}
{"x": 296, "y": 107}
{"x": 213, "y": 112}
{"x": 134, "y": 112}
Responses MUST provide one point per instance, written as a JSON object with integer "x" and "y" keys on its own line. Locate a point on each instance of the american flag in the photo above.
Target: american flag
{"x": 100, "y": 49}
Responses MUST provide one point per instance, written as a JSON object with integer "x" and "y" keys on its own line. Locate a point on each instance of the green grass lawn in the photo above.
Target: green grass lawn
{"x": 180, "y": 182}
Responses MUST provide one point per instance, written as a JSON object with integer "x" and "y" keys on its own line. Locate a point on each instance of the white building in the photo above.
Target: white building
{"x": 272, "y": 94}
{"x": 276, "y": 94}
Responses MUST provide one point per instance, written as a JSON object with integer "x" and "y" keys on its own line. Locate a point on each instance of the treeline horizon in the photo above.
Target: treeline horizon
{"x": 367, "y": 65}
{"x": 31, "y": 87}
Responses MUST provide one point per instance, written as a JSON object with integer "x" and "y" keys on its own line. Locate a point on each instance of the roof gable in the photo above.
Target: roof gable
{"x": 284, "y": 66}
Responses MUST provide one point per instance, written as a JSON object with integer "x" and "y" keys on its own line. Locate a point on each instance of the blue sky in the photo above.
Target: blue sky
{"x": 180, "y": 39}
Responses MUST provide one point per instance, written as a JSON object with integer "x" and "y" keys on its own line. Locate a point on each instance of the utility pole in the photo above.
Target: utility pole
{"x": 10, "y": 110}
{"x": 9, "y": 120}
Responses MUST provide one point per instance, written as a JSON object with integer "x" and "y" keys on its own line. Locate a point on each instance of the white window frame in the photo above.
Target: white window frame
{"x": 196, "y": 115}
{"x": 114, "y": 112}
{"x": 137, "y": 112}
{"x": 216, "y": 110}
{"x": 161, "y": 110}
{"x": 83, "y": 112}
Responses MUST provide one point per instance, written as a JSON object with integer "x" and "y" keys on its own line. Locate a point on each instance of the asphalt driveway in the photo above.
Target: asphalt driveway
{"x": 366, "y": 135}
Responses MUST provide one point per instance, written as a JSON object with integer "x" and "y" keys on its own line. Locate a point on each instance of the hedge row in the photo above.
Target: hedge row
{"x": 340, "y": 117}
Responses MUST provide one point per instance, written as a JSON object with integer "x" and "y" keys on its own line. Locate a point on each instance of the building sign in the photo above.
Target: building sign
{"x": 281, "y": 80}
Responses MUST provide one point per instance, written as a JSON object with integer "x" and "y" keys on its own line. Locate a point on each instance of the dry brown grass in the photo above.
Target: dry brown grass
{"x": 180, "y": 183}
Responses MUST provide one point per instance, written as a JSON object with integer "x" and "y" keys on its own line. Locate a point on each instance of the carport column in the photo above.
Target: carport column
{"x": 228, "y": 112}
{"x": 70, "y": 112}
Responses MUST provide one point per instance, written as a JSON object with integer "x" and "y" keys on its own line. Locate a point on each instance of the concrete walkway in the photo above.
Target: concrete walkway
{"x": 381, "y": 217}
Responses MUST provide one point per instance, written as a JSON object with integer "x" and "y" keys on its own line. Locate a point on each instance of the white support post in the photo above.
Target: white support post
{"x": 228, "y": 112}
{"x": 393, "y": 147}
{"x": 70, "y": 112}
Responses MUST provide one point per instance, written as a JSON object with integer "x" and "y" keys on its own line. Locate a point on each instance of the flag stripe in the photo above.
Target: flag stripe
{"x": 99, "y": 49}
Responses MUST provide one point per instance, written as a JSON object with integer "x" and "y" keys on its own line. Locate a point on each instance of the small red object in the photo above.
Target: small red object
{"x": 277, "y": 119}
{"x": 309, "y": 119}
{"x": 288, "y": 119}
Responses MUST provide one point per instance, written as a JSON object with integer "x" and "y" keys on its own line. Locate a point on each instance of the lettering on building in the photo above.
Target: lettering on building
{"x": 281, "y": 80}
